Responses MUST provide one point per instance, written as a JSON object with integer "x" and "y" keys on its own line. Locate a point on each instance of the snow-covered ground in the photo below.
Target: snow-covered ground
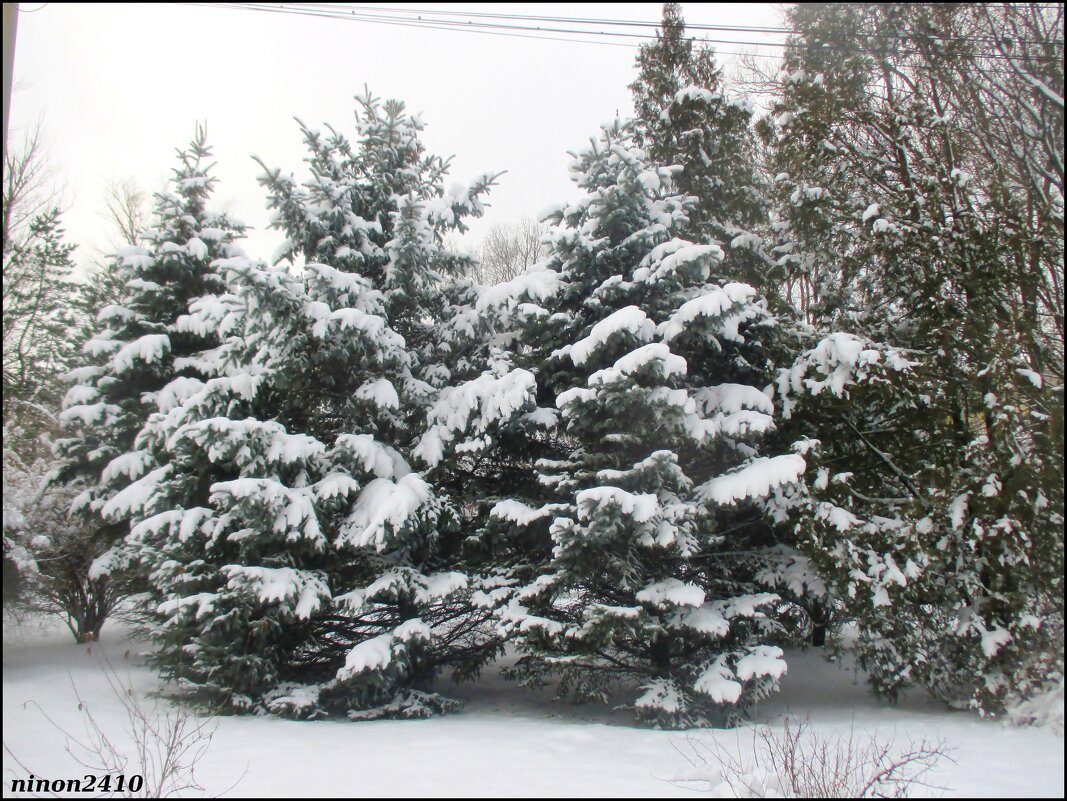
{"x": 506, "y": 742}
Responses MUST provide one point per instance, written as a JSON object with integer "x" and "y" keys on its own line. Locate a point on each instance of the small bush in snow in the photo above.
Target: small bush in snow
{"x": 798, "y": 761}
{"x": 160, "y": 745}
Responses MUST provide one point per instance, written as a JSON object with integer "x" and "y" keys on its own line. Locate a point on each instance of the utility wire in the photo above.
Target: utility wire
{"x": 409, "y": 24}
{"x": 763, "y": 29}
{"x": 573, "y": 20}
{"x": 342, "y": 7}
{"x": 478, "y": 27}
{"x": 352, "y": 14}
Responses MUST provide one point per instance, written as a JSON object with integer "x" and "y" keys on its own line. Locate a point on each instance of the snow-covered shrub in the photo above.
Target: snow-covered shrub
{"x": 48, "y": 552}
{"x": 1043, "y": 709}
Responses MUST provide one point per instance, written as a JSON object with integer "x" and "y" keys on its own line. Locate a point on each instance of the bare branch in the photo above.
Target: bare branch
{"x": 797, "y": 761}
{"x": 510, "y": 249}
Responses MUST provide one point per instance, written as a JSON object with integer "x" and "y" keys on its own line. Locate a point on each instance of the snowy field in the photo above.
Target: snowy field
{"x": 506, "y": 742}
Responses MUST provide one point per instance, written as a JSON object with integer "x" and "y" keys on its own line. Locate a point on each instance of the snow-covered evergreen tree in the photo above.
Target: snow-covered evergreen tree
{"x": 685, "y": 117}
{"x": 39, "y": 319}
{"x": 939, "y": 516}
{"x": 235, "y": 525}
{"x": 137, "y": 350}
{"x": 39, "y": 315}
{"x": 638, "y": 544}
{"x": 289, "y": 517}
{"x": 412, "y": 605}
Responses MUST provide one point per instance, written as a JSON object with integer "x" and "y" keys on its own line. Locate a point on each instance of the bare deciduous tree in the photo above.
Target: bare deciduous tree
{"x": 125, "y": 211}
{"x": 508, "y": 250}
{"x": 36, "y": 270}
{"x": 29, "y": 187}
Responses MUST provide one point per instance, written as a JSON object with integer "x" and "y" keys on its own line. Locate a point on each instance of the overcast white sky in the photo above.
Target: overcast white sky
{"x": 119, "y": 87}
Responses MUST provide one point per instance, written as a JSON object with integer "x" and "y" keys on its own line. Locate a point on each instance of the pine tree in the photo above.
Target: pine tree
{"x": 235, "y": 526}
{"x": 646, "y": 528}
{"x": 414, "y": 601}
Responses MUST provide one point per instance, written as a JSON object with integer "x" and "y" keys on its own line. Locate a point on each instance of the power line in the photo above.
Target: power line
{"x": 762, "y": 29}
{"x": 477, "y": 27}
{"x": 405, "y": 24}
{"x": 467, "y": 15}
{"x": 355, "y": 14}
{"x": 573, "y": 20}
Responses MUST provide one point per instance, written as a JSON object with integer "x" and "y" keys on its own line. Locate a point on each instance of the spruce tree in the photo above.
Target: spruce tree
{"x": 684, "y": 117}
{"x": 645, "y": 530}
{"x": 292, "y": 520}
{"x": 137, "y": 350}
